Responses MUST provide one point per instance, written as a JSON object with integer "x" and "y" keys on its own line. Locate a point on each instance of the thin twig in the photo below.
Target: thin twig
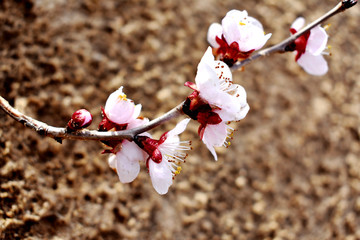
{"x": 280, "y": 47}
{"x": 60, "y": 133}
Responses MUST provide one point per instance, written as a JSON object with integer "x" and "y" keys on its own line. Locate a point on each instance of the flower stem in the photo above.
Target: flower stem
{"x": 281, "y": 47}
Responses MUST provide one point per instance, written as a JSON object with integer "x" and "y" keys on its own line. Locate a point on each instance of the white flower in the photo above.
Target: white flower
{"x": 214, "y": 84}
{"x": 226, "y": 102}
{"x": 310, "y": 47}
{"x": 126, "y": 155}
{"x": 119, "y": 109}
{"x": 240, "y": 28}
{"x": 164, "y": 167}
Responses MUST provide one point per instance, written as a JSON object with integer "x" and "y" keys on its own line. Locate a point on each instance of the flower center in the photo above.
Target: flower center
{"x": 122, "y": 97}
{"x": 300, "y": 43}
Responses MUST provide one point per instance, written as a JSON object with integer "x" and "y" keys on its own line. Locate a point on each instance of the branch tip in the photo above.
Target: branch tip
{"x": 348, "y": 4}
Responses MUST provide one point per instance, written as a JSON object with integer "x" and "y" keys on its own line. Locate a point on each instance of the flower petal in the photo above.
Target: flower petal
{"x": 317, "y": 40}
{"x": 240, "y": 95}
{"x": 161, "y": 176}
{"x": 253, "y": 21}
{"x": 231, "y": 25}
{"x": 298, "y": 23}
{"x": 254, "y": 40}
{"x": 137, "y": 111}
{"x": 223, "y": 72}
{"x": 179, "y": 128}
{"x": 205, "y": 71}
{"x": 315, "y": 65}
{"x": 247, "y": 31}
{"x": 134, "y": 123}
{"x": 119, "y": 109}
{"x": 215, "y": 30}
{"x": 214, "y": 136}
{"x": 112, "y": 161}
{"x": 127, "y": 161}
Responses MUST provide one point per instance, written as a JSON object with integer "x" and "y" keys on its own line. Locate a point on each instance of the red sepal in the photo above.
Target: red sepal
{"x": 300, "y": 43}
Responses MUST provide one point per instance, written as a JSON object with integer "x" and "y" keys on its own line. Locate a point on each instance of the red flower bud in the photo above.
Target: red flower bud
{"x": 80, "y": 119}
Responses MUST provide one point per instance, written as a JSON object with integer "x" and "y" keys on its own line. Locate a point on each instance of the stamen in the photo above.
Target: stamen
{"x": 178, "y": 170}
{"x": 327, "y": 53}
{"x": 327, "y": 26}
{"x": 122, "y": 97}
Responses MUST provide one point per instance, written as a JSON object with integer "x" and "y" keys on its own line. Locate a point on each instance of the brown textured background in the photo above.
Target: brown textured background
{"x": 292, "y": 171}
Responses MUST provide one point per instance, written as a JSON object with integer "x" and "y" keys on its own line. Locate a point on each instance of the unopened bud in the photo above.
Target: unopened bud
{"x": 80, "y": 119}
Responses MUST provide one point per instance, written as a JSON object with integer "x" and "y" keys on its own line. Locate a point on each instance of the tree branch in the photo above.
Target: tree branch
{"x": 280, "y": 47}
{"x": 61, "y": 133}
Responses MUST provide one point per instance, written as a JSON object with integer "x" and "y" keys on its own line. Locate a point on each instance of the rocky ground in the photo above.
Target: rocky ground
{"x": 292, "y": 171}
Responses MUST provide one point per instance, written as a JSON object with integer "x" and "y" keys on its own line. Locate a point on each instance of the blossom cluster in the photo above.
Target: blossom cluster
{"x": 162, "y": 157}
{"x": 215, "y": 102}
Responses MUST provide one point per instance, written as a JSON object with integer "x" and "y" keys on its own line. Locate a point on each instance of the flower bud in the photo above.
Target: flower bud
{"x": 80, "y": 119}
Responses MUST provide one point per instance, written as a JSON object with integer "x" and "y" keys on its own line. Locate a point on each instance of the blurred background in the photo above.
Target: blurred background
{"x": 291, "y": 172}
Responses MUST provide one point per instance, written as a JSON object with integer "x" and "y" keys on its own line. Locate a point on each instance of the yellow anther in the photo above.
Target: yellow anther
{"x": 242, "y": 24}
{"x": 329, "y": 47}
{"x": 327, "y": 26}
{"x": 122, "y": 97}
{"x": 178, "y": 170}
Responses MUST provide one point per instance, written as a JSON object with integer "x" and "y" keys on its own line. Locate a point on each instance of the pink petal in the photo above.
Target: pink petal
{"x": 317, "y": 40}
{"x": 244, "y": 108}
{"x": 298, "y": 23}
{"x": 134, "y": 123}
{"x": 218, "y": 98}
{"x": 249, "y": 35}
{"x": 206, "y": 78}
{"x": 315, "y": 65}
{"x": 215, "y": 30}
{"x": 137, "y": 111}
{"x": 214, "y": 136}
{"x": 133, "y": 151}
{"x": 231, "y": 30}
{"x": 112, "y": 161}
{"x": 242, "y": 113}
{"x": 121, "y": 112}
{"x": 127, "y": 161}
{"x": 205, "y": 71}
{"x": 231, "y": 26}
{"x": 179, "y": 128}
{"x": 161, "y": 176}
{"x": 231, "y": 103}
{"x": 222, "y": 70}
{"x": 253, "y": 21}
{"x": 117, "y": 110}
{"x": 254, "y": 40}
{"x": 126, "y": 170}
